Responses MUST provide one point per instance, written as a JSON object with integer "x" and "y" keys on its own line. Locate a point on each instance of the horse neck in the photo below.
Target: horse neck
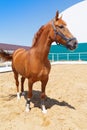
{"x": 43, "y": 44}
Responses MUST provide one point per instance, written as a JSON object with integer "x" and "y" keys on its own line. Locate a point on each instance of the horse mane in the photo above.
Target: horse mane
{"x": 37, "y": 35}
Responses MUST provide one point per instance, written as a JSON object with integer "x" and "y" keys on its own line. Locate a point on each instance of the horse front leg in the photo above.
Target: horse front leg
{"x": 43, "y": 86}
{"x": 30, "y": 84}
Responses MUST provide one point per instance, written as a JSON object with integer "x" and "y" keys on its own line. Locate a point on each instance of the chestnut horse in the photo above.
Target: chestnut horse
{"x": 33, "y": 64}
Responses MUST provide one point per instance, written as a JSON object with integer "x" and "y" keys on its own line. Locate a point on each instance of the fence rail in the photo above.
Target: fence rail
{"x": 68, "y": 56}
{"x": 57, "y": 57}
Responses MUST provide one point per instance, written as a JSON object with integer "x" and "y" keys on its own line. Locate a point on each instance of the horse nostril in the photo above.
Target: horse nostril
{"x": 75, "y": 43}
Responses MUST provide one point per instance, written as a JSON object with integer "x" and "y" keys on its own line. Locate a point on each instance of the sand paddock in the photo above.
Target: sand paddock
{"x": 66, "y": 101}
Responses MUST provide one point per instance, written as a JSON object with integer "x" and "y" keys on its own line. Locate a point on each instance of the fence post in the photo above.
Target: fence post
{"x": 52, "y": 56}
{"x": 57, "y": 56}
{"x": 79, "y": 57}
{"x": 67, "y": 56}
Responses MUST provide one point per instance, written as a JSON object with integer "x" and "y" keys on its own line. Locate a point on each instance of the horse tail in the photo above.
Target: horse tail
{"x": 5, "y": 55}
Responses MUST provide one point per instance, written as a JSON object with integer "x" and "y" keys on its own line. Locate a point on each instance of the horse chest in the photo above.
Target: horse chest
{"x": 44, "y": 72}
{"x": 41, "y": 74}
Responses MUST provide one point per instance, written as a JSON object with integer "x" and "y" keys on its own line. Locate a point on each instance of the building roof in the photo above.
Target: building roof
{"x": 11, "y": 47}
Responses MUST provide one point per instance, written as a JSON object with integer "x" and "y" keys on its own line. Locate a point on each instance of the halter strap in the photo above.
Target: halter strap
{"x": 61, "y": 34}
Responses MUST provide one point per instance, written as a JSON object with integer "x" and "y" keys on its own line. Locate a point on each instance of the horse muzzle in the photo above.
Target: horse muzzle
{"x": 72, "y": 44}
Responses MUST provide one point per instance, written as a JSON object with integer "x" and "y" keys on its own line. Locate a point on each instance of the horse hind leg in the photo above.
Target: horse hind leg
{"x": 17, "y": 84}
{"x": 22, "y": 86}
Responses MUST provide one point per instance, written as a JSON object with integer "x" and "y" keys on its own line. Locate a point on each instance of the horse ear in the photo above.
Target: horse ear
{"x": 57, "y": 15}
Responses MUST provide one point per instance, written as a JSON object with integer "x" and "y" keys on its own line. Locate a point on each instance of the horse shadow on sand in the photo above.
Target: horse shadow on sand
{"x": 49, "y": 102}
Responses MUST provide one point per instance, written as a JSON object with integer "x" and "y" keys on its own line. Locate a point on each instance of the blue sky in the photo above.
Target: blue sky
{"x": 21, "y": 19}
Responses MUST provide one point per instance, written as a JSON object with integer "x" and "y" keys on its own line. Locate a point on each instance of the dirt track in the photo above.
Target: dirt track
{"x": 66, "y": 101}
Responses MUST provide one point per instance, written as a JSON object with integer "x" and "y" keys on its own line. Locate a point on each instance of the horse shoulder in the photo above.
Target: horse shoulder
{"x": 45, "y": 69}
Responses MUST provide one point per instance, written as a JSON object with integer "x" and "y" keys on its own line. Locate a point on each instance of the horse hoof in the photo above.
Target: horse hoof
{"x": 27, "y": 109}
{"x": 18, "y": 96}
{"x": 44, "y": 111}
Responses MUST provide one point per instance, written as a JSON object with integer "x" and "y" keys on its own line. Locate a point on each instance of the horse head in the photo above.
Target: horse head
{"x": 61, "y": 33}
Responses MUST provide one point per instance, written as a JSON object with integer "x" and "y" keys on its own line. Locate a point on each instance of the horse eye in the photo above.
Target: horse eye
{"x": 61, "y": 26}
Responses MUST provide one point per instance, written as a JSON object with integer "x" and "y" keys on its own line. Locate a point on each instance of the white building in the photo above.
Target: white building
{"x": 76, "y": 19}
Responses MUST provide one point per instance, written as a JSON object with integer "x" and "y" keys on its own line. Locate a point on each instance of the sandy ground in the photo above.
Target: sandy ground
{"x": 66, "y": 101}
